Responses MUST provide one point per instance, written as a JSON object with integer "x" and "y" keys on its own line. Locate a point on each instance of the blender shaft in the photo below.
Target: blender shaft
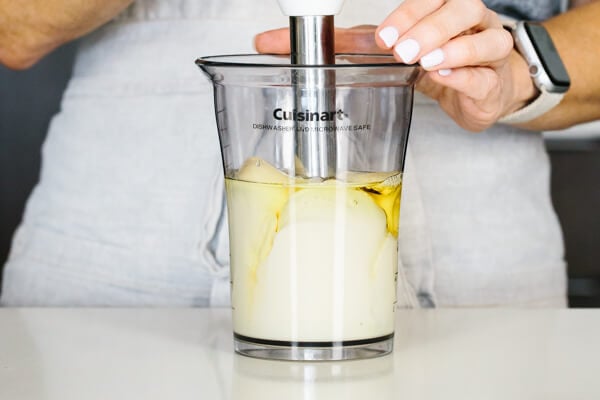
{"x": 312, "y": 40}
{"x": 312, "y": 43}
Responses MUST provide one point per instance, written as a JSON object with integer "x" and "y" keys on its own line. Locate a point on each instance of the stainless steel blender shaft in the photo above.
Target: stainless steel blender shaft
{"x": 312, "y": 40}
{"x": 312, "y": 43}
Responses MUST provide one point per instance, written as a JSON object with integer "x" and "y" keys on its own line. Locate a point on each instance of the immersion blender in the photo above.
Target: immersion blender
{"x": 312, "y": 43}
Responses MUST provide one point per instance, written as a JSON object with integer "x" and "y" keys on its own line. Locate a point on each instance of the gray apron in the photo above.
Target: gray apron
{"x": 129, "y": 210}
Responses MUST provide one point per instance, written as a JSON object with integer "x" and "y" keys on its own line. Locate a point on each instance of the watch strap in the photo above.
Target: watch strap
{"x": 541, "y": 105}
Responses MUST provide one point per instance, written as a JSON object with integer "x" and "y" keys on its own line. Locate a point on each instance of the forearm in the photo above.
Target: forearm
{"x": 576, "y": 35}
{"x": 30, "y": 29}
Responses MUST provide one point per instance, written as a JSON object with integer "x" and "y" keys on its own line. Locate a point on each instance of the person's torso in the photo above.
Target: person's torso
{"x": 132, "y": 162}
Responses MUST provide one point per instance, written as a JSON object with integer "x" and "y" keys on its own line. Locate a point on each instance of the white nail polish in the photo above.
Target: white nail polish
{"x": 445, "y": 72}
{"x": 389, "y": 35}
{"x": 436, "y": 57}
{"x": 408, "y": 50}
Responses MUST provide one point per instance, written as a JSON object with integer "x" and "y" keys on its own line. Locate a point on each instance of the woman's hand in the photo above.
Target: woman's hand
{"x": 472, "y": 70}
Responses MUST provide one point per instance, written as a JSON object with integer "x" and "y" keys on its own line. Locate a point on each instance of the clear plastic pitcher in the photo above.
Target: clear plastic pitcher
{"x": 313, "y": 159}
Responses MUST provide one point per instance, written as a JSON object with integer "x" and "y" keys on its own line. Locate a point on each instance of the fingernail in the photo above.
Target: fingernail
{"x": 407, "y": 50}
{"x": 389, "y": 35}
{"x": 445, "y": 72}
{"x": 436, "y": 57}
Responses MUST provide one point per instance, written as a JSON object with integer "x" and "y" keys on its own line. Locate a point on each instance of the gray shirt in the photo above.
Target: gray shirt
{"x": 536, "y": 10}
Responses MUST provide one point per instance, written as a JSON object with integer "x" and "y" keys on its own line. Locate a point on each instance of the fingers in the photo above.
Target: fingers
{"x": 477, "y": 83}
{"x": 469, "y": 95}
{"x": 418, "y": 27}
{"x": 483, "y": 48}
{"x": 276, "y": 41}
{"x": 406, "y": 16}
{"x": 360, "y": 39}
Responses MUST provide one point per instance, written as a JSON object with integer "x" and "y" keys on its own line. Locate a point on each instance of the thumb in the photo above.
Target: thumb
{"x": 276, "y": 41}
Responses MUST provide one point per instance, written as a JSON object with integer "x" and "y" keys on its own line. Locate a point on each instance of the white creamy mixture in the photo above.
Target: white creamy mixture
{"x": 312, "y": 261}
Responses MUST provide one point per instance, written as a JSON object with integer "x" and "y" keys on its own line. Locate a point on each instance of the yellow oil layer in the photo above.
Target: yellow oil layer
{"x": 384, "y": 188}
{"x": 387, "y": 197}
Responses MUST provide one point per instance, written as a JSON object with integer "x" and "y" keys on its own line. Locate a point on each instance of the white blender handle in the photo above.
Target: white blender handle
{"x": 302, "y": 8}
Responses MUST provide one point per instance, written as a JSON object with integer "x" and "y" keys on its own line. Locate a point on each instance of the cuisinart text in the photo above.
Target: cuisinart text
{"x": 282, "y": 115}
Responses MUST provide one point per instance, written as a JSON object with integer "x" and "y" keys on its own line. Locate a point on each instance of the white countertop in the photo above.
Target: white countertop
{"x": 187, "y": 354}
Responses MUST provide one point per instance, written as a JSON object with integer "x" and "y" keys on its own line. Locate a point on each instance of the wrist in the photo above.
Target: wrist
{"x": 542, "y": 64}
{"x": 524, "y": 90}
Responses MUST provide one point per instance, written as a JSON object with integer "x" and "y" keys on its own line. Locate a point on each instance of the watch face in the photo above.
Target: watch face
{"x": 548, "y": 55}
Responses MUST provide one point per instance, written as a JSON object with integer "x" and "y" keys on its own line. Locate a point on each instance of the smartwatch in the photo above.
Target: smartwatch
{"x": 546, "y": 68}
